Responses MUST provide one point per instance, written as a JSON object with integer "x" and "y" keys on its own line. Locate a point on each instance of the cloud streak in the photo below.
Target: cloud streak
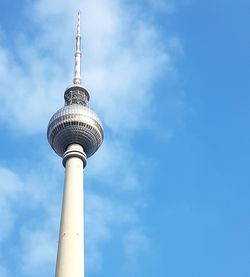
{"x": 124, "y": 54}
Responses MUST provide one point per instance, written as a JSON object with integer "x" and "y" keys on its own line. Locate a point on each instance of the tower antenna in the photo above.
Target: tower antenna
{"x": 78, "y": 54}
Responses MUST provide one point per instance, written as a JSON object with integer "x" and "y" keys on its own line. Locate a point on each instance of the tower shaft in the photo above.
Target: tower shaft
{"x": 70, "y": 256}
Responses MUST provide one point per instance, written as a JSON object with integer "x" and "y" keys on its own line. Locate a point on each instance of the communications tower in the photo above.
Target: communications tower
{"x": 75, "y": 133}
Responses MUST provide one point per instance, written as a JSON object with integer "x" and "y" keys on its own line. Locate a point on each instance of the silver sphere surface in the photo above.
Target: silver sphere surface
{"x": 75, "y": 124}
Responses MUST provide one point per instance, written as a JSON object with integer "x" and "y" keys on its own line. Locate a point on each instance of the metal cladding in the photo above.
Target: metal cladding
{"x": 75, "y": 123}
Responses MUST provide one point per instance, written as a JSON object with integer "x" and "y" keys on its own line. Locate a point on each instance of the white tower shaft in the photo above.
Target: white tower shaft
{"x": 70, "y": 256}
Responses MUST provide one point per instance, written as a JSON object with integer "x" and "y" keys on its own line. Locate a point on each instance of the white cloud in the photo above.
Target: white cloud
{"x": 36, "y": 234}
{"x": 99, "y": 215}
{"x": 167, "y": 6}
{"x": 123, "y": 55}
{"x": 28, "y": 197}
{"x": 38, "y": 251}
{"x": 116, "y": 166}
{"x": 10, "y": 187}
{"x": 4, "y": 272}
{"x": 103, "y": 219}
{"x": 135, "y": 244}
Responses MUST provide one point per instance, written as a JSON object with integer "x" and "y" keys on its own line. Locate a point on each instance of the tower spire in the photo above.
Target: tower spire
{"x": 78, "y": 54}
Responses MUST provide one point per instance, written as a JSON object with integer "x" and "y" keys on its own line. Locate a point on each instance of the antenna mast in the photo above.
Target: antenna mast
{"x": 78, "y": 54}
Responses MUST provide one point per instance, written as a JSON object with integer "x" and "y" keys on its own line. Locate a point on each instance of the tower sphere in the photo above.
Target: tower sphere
{"x": 75, "y": 123}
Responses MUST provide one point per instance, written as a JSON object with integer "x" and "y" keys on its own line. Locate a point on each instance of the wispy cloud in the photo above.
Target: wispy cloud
{"x": 36, "y": 237}
{"x": 124, "y": 54}
{"x": 167, "y": 6}
{"x": 10, "y": 187}
{"x": 136, "y": 244}
{"x": 123, "y": 57}
{"x": 24, "y": 196}
{"x": 113, "y": 167}
{"x": 107, "y": 217}
{"x": 38, "y": 251}
{"x": 4, "y": 272}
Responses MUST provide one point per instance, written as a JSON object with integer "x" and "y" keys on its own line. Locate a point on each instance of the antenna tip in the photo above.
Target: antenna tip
{"x": 78, "y": 23}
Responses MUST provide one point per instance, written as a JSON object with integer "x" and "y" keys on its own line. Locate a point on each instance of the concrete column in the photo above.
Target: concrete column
{"x": 70, "y": 255}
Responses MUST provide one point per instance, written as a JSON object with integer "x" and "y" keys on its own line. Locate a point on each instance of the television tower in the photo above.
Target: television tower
{"x": 75, "y": 133}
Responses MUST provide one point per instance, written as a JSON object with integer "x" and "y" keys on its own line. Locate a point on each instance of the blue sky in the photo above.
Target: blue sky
{"x": 168, "y": 192}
